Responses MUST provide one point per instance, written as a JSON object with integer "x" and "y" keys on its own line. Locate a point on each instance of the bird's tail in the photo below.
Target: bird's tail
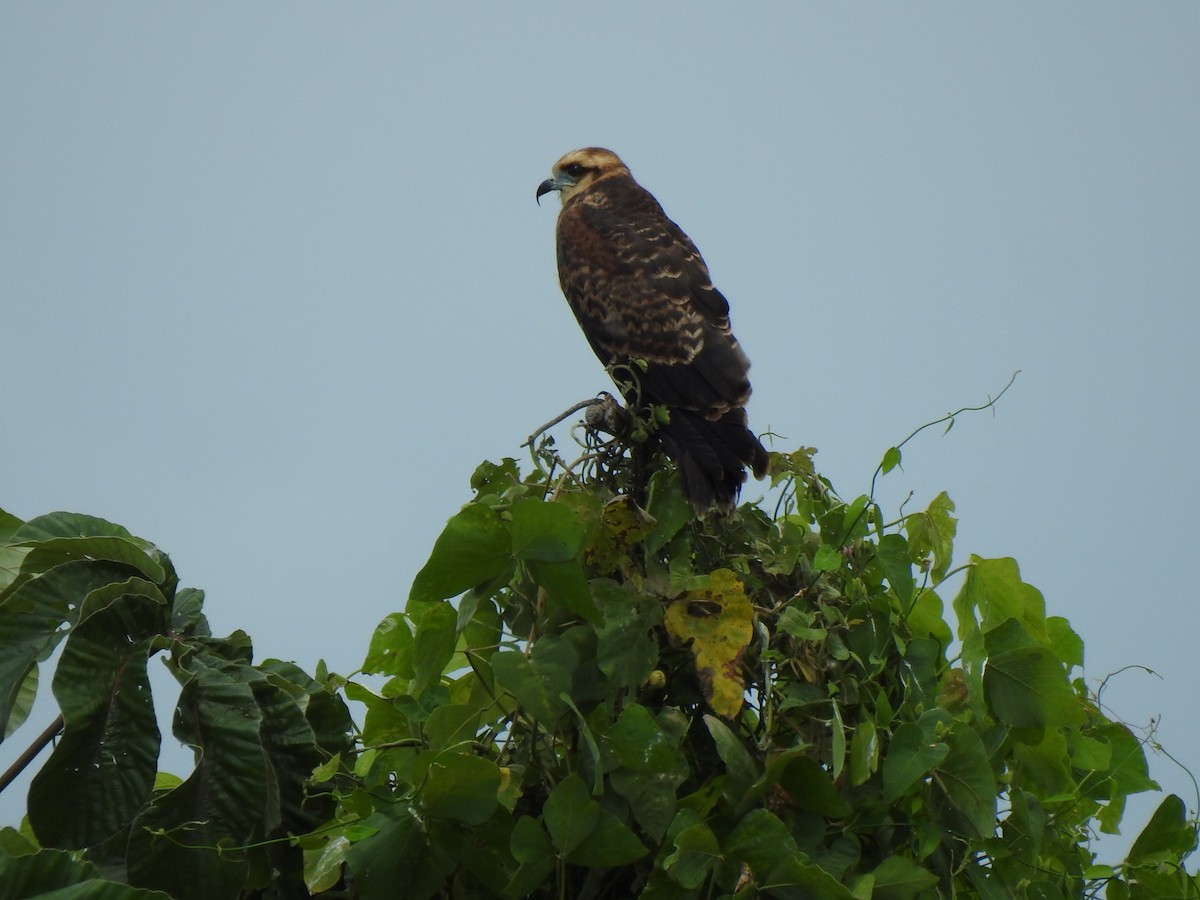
{"x": 712, "y": 455}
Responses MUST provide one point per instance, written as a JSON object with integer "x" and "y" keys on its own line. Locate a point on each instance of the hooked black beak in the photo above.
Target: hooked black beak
{"x": 544, "y": 188}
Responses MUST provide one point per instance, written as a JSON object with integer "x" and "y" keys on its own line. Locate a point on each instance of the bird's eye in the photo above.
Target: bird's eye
{"x": 573, "y": 169}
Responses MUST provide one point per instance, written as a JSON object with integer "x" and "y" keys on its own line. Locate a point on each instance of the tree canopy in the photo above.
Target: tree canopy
{"x": 591, "y": 693}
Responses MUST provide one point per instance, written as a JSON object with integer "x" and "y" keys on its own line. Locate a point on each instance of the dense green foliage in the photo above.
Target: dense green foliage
{"x": 258, "y": 730}
{"x": 620, "y": 701}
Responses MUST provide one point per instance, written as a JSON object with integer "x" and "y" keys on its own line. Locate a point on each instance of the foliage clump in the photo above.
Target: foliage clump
{"x": 100, "y": 817}
{"x": 751, "y": 705}
{"x": 591, "y": 693}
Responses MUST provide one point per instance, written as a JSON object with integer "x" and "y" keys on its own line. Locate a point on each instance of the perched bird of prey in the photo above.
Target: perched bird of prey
{"x": 641, "y": 291}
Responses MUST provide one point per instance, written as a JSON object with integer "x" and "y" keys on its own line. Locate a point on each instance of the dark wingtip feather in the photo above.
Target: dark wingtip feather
{"x": 712, "y": 456}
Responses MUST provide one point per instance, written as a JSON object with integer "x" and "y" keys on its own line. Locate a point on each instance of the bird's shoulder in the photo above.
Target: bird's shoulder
{"x": 618, "y": 230}
{"x": 625, "y": 215}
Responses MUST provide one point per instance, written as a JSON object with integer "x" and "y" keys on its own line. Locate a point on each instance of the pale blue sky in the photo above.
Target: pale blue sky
{"x": 273, "y": 281}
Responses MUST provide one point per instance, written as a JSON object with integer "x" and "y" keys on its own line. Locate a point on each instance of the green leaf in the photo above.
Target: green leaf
{"x": 760, "y": 840}
{"x": 639, "y": 742}
{"x": 891, "y": 459}
{"x": 837, "y": 740}
{"x": 12, "y": 560}
{"x": 897, "y": 566}
{"x": 485, "y": 856}
{"x": 827, "y": 559}
{"x": 794, "y": 879}
{"x": 909, "y": 756}
{"x": 583, "y": 832}
{"x": 538, "y": 681}
{"x": 57, "y": 875}
{"x": 1066, "y": 644}
{"x": 532, "y": 849}
{"x": 798, "y": 623}
{"x": 864, "y": 752}
{"x": 433, "y": 645}
{"x": 1042, "y": 766}
{"x": 611, "y": 843}
{"x": 668, "y": 507}
{"x": 458, "y": 786}
{"x": 1167, "y": 836}
{"x": 13, "y": 843}
{"x": 897, "y": 878}
{"x": 927, "y": 618}
{"x": 991, "y": 594}
{"x": 1025, "y": 684}
{"x": 994, "y": 587}
{"x": 291, "y": 749}
{"x": 55, "y": 525}
{"x": 965, "y": 777}
{"x": 545, "y": 530}
{"x": 862, "y": 887}
{"x": 853, "y": 520}
{"x": 589, "y": 741}
{"x": 1088, "y": 754}
{"x": 481, "y": 630}
{"x": 187, "y": 616}
{"x": 38, "y": 874}
{"x": 696, "y": 853}
{"x": 651, "y": 797}
{"x": 31, "y": 616}
{"x": 652, "y": 768}
{"x": 922, "y": 659}
{"x": 570, "y": 814}
{"x": 22, "y": 702}
{"x": 492, "y": 478}
{"x": 626, "y": 650}
{"x": 1128, "y": 772}
{"x": 741, "y": 771}
{"x": 397, "y": 858}
{"x": 329, "y": 718}
{"x": 530, "y": 843}
{"x": 8, "y": 525}
{"x": 102, "y": 770}
{"x": 384, "y": 721}
{"x": 1025, "y": 826}
{"x": 1156, "y": 883}
{"x": 61, "y": 536}
{"x": 474, "y": 547}
{"x": 323, "y": 864}
{"x": 111, "y": 549}
{"x": 174, "y": 843}
{"x": 451, "y": 724}
{"x": 811, "y": 787}
{"x": 567, "y": 586}
{"x": 931, "y": 533}
{"x": 987, "y": 882}
{"x": 390, "y": 651}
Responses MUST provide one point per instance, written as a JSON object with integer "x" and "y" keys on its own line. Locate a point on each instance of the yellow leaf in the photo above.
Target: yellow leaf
{"x": 719, "y": 623}
{"x": 622, "y": 524}
{"x": 953, "y": 692}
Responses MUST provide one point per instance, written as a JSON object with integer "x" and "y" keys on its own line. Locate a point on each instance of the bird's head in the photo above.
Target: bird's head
{"x": 579, "y": 170}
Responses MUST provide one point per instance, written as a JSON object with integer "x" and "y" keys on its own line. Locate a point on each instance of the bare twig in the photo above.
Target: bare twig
{"x": 31, "y": 752}
{"x": 583, "y": 404}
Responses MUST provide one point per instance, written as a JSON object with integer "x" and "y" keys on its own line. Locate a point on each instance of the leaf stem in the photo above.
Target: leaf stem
{"x": 54, "y": 730}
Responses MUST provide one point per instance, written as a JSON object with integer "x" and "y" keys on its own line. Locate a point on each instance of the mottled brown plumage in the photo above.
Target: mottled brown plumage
{"x": 641, "y": 291}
